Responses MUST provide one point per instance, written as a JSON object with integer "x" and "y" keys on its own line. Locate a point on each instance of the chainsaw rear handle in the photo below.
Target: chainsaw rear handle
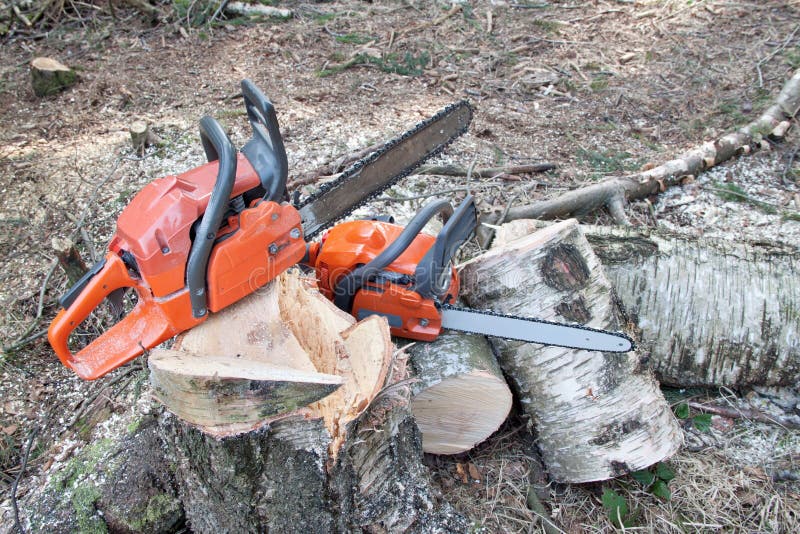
{"x": 265, "y": 151}
{"x": 348, "y": 286}
{"x": 433, "y": 274}
{"x": 109, "y": 350}
{"x": 215, "y": 142}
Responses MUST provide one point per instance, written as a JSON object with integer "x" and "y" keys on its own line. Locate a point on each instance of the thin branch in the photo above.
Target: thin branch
{"x": 25, "y": 456}
{"x": 742, "y": 413}
{"x": 23, "y": 339}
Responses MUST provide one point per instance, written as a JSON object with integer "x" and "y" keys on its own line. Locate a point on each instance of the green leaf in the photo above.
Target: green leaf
{"x": 615, "y": 505}
{"x": 661, "y": 490}
{"x": 702, "y": 422}
{"x": 644, "y": 477}
{"x": 664, "y": 472}
{"x": 682, "y": 411}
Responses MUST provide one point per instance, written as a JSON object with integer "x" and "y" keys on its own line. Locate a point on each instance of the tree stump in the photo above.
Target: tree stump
{"x": 598, "y": 415}
{"x": 142, "y": 136}
{"x": 49, "y": 76}
{"x": 711, "y": 312}
{"x": 69, "y": 258}
{"x": 348, "y": 462}
{"x": 461, "y": 397}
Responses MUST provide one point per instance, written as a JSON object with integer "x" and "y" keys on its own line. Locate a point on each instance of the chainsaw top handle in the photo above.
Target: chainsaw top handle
{"x": 433, "y": 274}
{"x": 265, "y": 150}
{"x": 348, "y": 286}
{"x": 217, "y": 144}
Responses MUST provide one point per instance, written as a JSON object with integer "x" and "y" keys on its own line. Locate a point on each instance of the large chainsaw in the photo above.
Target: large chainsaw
{"x": 370, "y": 267}
{"x": 197, "y": 242}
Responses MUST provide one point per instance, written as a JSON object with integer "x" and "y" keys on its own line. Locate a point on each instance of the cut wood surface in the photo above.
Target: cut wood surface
{"x": 710, "y": 311}
{"x": 210, "y": 390}
{"x": 49, "y": 76}
{"x": 272, "y": 353}
{"x": 598, "y": 415}
{"x": 461, "y": 397}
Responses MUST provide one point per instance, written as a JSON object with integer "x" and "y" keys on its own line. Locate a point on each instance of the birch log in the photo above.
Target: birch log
{"x": 598, "y": 415}
{"x": 461, "y": 397}
{"x": 711, "y": 312}
{"x": 350, "y": 462}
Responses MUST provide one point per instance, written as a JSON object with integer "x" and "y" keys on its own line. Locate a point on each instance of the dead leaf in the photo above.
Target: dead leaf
{"x": 461, "y": 472}
{"x": 474, "y": 472}
{"x": 10, "y": 430}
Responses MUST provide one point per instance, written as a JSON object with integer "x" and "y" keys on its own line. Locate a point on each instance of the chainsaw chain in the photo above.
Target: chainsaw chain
{"x": 356, "y": 167}
{"x": 543, "y": 321}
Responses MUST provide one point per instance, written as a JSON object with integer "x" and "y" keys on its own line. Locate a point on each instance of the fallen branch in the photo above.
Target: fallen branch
{"x": 742, "y": 413}
{"x": 19, "y": 476}
{"x": 491, "y": 172}
{"x": 331, "y": 168}
{"x": 615, "y": 191}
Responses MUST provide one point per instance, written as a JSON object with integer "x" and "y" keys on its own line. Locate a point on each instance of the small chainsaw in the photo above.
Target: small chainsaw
{"x": 370, "y": 267}
{"x": 197, "y": 242}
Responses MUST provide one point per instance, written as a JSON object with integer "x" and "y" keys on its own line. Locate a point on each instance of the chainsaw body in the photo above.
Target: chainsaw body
{"x": 373, "y": 267}
{"x": 189, "y": 244}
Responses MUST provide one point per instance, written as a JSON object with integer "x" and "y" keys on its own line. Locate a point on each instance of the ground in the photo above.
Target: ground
{"x": 595, "y": 88}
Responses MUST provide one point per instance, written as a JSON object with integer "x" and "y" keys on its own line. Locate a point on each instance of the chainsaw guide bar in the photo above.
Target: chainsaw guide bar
{"x": 530, "y": 330}
{"x": 373, "y": 174}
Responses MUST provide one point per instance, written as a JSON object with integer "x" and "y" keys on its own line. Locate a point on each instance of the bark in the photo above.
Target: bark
{"x": 615, "y": 191}
{"x": 598, "y": 415}
{"x": 49, "y": 76}
{"x": 350, "y": 461}
{"x": 711, "y": 312}
{"x": 461, "y": 397}
{"x": 69, "y": 259}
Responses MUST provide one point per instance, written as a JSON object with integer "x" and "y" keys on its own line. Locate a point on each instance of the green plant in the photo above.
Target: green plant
{"x": 549, "y": 26}
{"x": 792, "y": 58}
{"x": 353, "y": 38}
{"x": 606, "y": 160}
{"x": 616, "y": 508}
{"x": 701, "y": 422}
{"x": 656, "y": 480}
{"x": 407, "y": 65}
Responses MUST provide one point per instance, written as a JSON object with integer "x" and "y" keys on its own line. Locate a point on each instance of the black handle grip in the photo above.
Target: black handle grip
{"x": 217, "y": 144}
{"x": 432, "y": 274}
{"x": 349, "y": 285}
{"x": 265, "y": 150}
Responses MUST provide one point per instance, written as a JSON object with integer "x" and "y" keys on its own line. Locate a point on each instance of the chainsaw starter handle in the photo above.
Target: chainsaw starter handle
{"x": 98, "y": 357}
{"x": 433, "y": 274}
{"x": 348, "y": 286}
{"x": 215, "y": 142}
{"x": 265, "y": 150}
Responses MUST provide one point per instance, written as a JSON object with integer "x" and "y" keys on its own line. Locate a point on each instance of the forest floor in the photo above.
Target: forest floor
{"x": 596, "y": 88}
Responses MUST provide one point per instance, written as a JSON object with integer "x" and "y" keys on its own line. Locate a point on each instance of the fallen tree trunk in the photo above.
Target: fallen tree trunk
{"x": 598, "y": 415}
{"x": 710, "y": 312}
{"x": 461, "y": 397}
{"x": 348, "y": 462}
{"x": 614, "y": 192}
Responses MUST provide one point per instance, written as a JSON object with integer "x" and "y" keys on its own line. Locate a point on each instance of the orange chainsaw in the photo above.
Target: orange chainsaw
{"x": 370, "y": 267}
{"x": 197, "y": 242}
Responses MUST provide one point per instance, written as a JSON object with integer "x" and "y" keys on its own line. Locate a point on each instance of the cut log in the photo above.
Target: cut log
{"x": 461, "y": 397}
{"x": 351, "y": 461}
{"x": 711, "y": 312}
{"x": 598, "y": 415}
{"x": 257, "y": 10}
{"x": 49, "y": 76}
{"x": 213, "y": 390}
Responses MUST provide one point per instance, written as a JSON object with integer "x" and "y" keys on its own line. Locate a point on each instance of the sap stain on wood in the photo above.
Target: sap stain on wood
{"x": 564, "y": 268}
